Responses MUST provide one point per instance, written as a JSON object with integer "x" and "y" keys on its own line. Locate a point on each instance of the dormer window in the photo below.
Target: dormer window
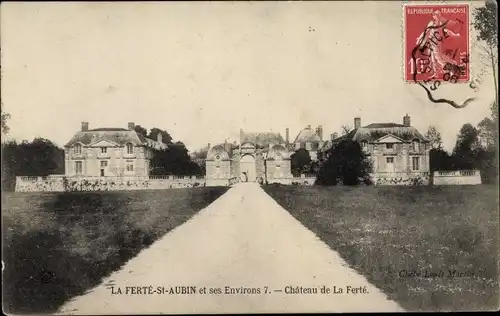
{"x": 130, "y": 149}
{"x": 78, "y": 149}
{"x": 416, "y": 145}
{"x": 389, "y": 145}
{"x": 308, "y": 146}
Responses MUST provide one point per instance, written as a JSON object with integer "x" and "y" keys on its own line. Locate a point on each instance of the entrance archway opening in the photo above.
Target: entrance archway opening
{"x": 247, "y": 167}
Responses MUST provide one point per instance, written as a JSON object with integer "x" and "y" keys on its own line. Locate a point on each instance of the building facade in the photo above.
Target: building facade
{"x": 395, "y": 150}
{"x": 257, "y": 157}
{"x": 310, "y": 140}
{"x": 110, "y": 152}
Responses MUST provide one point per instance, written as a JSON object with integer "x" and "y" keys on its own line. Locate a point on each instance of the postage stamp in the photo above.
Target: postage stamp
{"x": 436, "y": 43}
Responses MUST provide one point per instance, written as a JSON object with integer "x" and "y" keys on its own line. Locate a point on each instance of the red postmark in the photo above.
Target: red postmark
{"x": 436, "y": 43}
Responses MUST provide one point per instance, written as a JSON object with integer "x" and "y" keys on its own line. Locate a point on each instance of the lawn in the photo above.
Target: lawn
{"x": 384, "y": 231}
{"x": 58, "y": 245}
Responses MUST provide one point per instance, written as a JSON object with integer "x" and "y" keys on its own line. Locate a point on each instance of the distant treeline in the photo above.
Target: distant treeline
{"x": 39, "y": 157}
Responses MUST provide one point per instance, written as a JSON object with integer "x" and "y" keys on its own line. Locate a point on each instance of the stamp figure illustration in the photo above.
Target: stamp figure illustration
{"x": 436, "y": 43}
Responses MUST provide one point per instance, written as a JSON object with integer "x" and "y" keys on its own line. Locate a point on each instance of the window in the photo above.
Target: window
{"x": 78, "y": 149}
{"x": 415, "y": 163}
{"x": 78, "y": 167}
{"x": 390, "y": 159}
{"x": 130, "y": 149}
{"x": 308, "y": 146}
{"x": 416, "y": 145}
{"x": 389, "y": 146}
{"x": 104, "y": 150}
{"x": 217, "y": 172}
{"x": 364, "y": 145}
{"x": 104, "y": 163}
{"x": 130, "y": 165}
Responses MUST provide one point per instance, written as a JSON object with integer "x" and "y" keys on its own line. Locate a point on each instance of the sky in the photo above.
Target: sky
{"x": 203, "y": 70}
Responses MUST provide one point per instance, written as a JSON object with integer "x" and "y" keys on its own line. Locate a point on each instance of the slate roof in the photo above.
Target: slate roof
{"x": 119, "y": 136}
{"x": 375, "y": 131}
{"x": 307, "y": 135}
{"x": 262, "y": 139}
{"x": 278, "y": 150}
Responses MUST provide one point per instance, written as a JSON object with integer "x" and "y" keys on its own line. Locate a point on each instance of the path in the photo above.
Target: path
{"x": 243, "y": 239}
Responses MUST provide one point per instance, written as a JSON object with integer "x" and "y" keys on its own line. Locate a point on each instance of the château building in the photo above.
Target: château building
{"x": 110, "y": 152}
{"x": 256, "y": 157}
{"x": 395, "y": 150}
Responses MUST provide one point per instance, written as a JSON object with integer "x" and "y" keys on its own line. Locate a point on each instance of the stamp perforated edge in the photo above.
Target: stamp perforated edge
{"x": 435, "y": 3}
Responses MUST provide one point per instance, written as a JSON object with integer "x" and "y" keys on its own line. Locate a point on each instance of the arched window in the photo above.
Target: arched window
{"x": 78, "y": 149}
{"x": 130, "y": 149}
{"x": 416, "y": 145}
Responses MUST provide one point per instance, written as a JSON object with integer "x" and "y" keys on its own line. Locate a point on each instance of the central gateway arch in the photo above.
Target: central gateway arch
{"x": 248, "y": 169}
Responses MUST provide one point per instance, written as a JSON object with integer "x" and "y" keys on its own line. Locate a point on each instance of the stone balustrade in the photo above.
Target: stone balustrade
{"x": 400, "y": 178}
{"x": 457, "y": 177}
{"x": 59, "y": 183}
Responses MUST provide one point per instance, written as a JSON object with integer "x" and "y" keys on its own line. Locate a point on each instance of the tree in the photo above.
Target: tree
{"x": 440, "y": 160}
{"x": 435, "y": 137}
{"x": 487, "y": 155}
{"x": 466, "y": 148}
{"x": 344, "y": 163}
{"x": 37, "y": 158}
{"x": 486, "y": 22}
{"x": 300, "y": 161}
{"x": 488, "y": 128}
{"x": 141, "y": 130}
{"x": 199, "y": 157}
{"x": 166, "y": 138}
{"x": 488, "y": 132}
{"x": 174, "y": 160}
{"x": 5, "y": 118}
{"x": 345, "y": 129}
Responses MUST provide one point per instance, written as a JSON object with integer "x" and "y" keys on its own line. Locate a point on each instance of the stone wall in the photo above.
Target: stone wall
{"x": 459, "y": 177}
{"x": 69, "y": 184}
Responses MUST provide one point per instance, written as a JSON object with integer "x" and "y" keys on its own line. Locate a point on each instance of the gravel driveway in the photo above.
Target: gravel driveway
{"x": 242, "y": 254}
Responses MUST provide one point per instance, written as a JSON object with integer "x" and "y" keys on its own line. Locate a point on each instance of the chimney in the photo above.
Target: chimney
{"x": 333, "y": 136}
{"x": 357, "y": 122}
{"x": 159, "y": 137}
{"x": 287, "y": 135}
{"x": 208, "y": 146}
{"x": 406, "y": 120}
{"x": 131, "y": 125}
{"x": 85, "y": 126}
{"x": 319, "y": 131}
{"x": 241, "y": 135}
{"x": 308, "y": 126}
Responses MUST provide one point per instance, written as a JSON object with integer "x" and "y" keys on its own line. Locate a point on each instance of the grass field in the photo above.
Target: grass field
{"x": 58, "y": 245}
{"x": 384, "y": 231}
